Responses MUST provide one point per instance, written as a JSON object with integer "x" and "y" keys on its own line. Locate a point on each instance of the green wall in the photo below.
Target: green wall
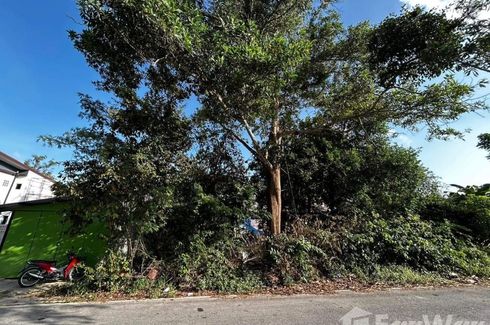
{"x": 41, "y": 232}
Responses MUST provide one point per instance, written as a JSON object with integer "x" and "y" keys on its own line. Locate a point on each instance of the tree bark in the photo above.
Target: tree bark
{"x": 275, "y": 199}
{"x": 275, "y": 172}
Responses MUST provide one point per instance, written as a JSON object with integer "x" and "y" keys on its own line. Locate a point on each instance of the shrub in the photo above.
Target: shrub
{"x": 292, "y": 259}
{"x": 151, "y": 288}
{"x": 305, "y": 251}
{"x": 217, "y": 267}
{"x": 113, "y": 275}
{"x": 410, "y": 241}
{"x": 399, "y": 250}
{"x": 468, "y": 208}
{"x": 471, "y": 260}
{"x": 354, "y": 174}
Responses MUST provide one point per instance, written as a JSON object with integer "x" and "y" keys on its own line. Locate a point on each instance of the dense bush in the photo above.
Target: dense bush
{"x": 468, "y": 208}
{"x": 407, "y": 249}
{"x": 113, "y": 275}
{"x": 218, "y": 267}
{"x": 213, "y": 198}
{"x": 412, "y": 242}
{"x": 402, "y": 249}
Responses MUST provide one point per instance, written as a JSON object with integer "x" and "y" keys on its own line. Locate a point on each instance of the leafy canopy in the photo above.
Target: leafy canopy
{"x": 257, "y": 70}
{"x": 253, "y": 65}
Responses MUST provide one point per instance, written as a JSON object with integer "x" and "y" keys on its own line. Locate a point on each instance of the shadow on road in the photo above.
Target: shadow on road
{"x": 16, "y": 306}
{"x": 12, "y": 294}
{"x": 49, "y": 314}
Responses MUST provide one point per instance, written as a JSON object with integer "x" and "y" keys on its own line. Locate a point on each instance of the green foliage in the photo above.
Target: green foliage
{"x": 214, "y": 196}
{"x": 399, "y": 240}
{"x": 41, "y": 164}
{"x": 217, "y": 267}
{"x": 477, "y": 208}
{"x": 291, "y": 259}
{"x": 244, "y": 264}
{"x": 113, "y": 275}
{"x": 484, "y": 142}
{"x": 145, "y": 287}
{"x": 355, "y": 175}
{"x": 400, "y": 250}
{"x": 419, "y": 45}
{"x": 415, "y": 243}
{"x": 468, "y": 208}
{"x": 257, "y": 68}
{"x": 265, "y": 77}
{"x": 125, "y": 167}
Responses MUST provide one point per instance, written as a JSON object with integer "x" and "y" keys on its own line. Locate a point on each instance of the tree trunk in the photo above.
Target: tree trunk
{"x": 275, "y": 199}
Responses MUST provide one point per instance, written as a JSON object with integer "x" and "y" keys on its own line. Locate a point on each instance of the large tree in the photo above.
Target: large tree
{"x": 259, "y": 67}
{"x": 125, "y": 167}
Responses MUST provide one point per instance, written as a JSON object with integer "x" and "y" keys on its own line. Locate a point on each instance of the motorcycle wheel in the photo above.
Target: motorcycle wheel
{"x": 76, "y": 273}
{"x": 30, "y": 277}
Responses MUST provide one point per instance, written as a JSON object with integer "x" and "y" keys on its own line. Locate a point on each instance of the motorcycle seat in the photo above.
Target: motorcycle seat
{"x": 42, "y": 261}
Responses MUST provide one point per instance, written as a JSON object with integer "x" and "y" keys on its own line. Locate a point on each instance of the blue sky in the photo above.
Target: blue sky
{"x": 41, "y": 74}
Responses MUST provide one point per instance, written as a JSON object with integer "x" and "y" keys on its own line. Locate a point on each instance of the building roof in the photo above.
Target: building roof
{"x": 8, "y": 170}
{"x": 10, "y": 165}
{"x": 13, "y": 162}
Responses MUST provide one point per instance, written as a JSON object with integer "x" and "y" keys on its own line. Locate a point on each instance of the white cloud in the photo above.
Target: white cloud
{"x": 403, "y": 140}
{"x": 400, "y": 138}
{"x": 443, "y": 5}
{"x": 430, "y": 4}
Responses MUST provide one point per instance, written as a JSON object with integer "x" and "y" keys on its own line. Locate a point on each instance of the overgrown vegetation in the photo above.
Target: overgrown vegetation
{"x": 291, "y": 129}
{"x": 400, "y": 250}
{"x": 468, "y": 209}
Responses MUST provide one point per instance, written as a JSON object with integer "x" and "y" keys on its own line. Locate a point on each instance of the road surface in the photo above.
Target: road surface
{"x": 423, "y": 306}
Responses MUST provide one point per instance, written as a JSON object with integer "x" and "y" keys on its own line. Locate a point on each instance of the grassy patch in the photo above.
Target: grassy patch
{"x": 403, "y": 275}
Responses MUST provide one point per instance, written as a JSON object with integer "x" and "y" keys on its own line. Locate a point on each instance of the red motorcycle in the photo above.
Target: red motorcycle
{"x": 41, "y": 270}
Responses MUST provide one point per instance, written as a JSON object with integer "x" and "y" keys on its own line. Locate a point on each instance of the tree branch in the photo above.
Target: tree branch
{"x": 256, "y": 146}
{"x": 311, "y": 131}
{"x": 239, "y": 139}
{"x": 250, "y": 132}
{"x": 473, "y": 66}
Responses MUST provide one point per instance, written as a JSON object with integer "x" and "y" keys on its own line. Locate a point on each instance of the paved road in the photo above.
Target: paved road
{"x": 11, "y": 293}
{"x": 470, "y": 304}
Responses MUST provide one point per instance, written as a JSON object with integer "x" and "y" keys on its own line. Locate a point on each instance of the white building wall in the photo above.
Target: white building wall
{"x": 5, "y": 183}
{"x": 27, "y": 188}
